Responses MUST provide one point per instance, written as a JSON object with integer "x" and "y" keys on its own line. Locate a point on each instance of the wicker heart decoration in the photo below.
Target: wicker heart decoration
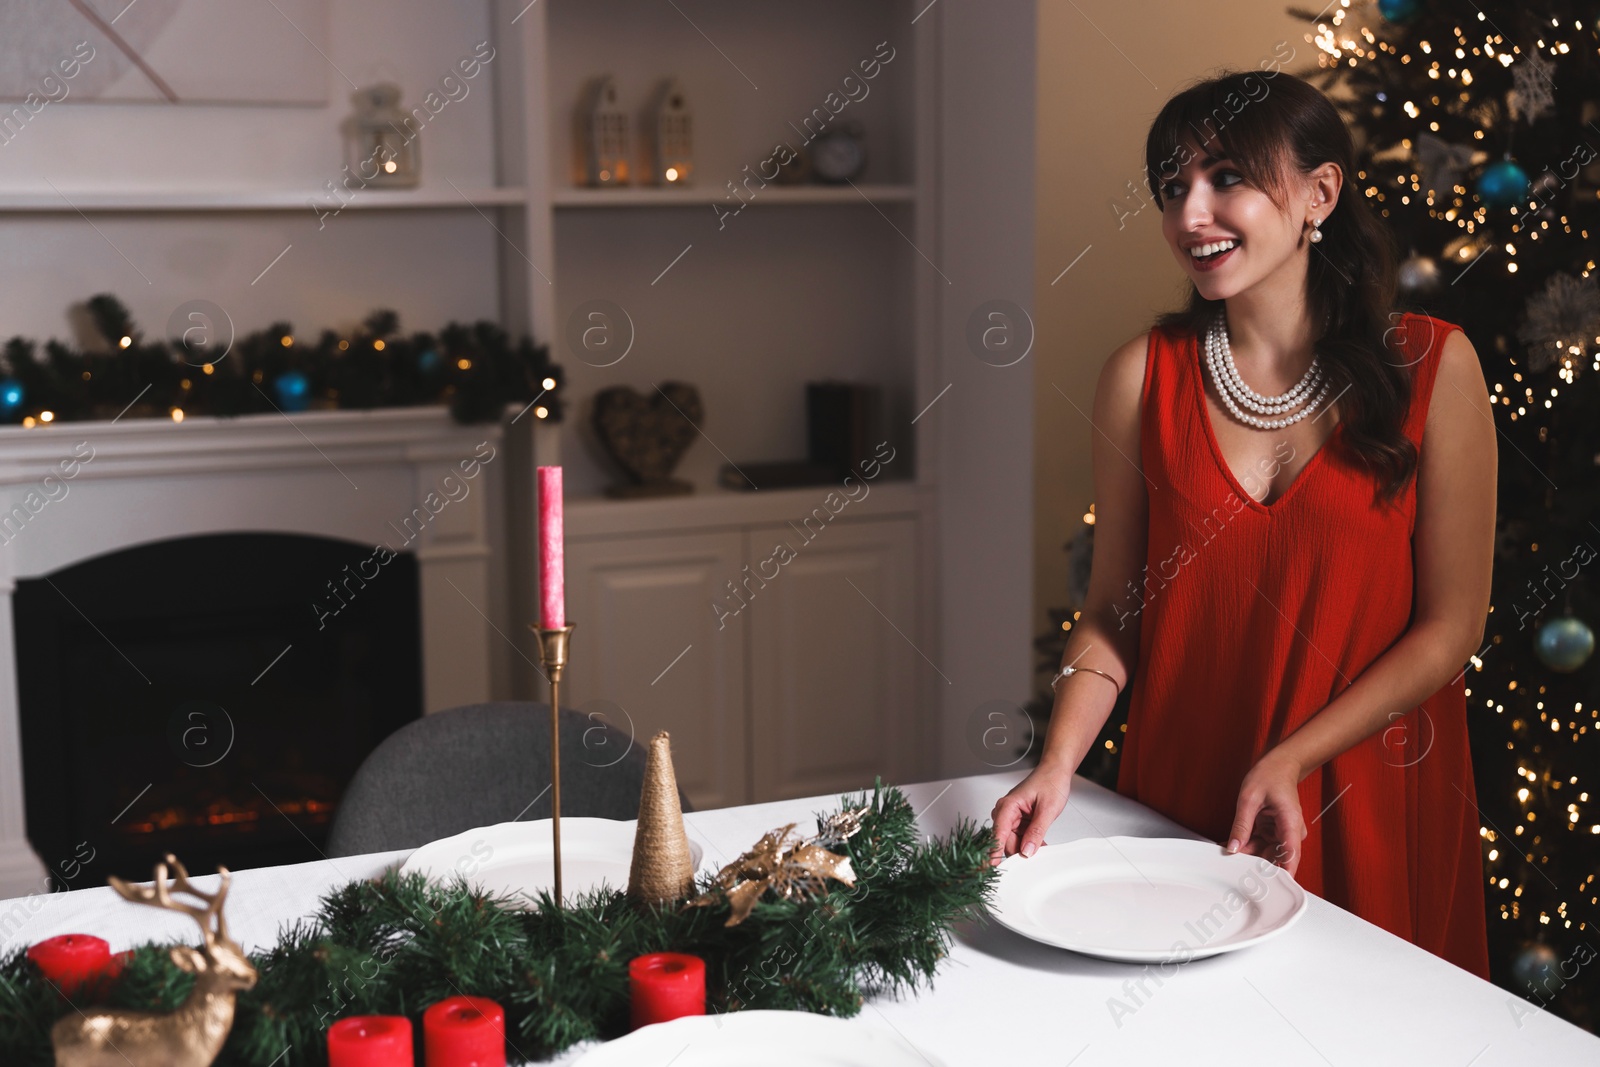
{"x": 647, "y": 436}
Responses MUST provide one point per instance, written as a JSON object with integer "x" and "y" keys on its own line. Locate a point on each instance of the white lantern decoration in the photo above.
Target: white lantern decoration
{"x": 672, "y": 141}
{"x": 608, "y": 143}
{"x": 380, "y": 148}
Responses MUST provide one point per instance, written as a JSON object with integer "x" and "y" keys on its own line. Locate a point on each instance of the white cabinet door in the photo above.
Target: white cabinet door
{"x": 646, "y": 639}
{"x": 832, "y": 670}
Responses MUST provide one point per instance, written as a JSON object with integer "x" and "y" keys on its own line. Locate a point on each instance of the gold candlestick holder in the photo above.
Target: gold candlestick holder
{"x": 553, "y": 654}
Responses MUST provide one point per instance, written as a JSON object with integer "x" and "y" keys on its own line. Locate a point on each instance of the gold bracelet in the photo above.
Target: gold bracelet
{"x": 1064, "y": 671}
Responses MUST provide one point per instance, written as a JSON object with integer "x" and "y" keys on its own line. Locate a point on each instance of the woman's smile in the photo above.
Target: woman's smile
{"x": 1219, "y": 253}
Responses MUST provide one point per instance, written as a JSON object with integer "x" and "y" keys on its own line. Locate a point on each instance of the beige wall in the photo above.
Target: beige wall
{"x": 1104, "y": 70}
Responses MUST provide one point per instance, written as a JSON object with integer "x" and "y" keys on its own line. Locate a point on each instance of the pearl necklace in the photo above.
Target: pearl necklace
{"x": 1237, "y": 395}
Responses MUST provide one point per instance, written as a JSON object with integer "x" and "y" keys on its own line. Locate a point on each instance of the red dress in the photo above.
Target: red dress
{"x": 1253, "y": 617}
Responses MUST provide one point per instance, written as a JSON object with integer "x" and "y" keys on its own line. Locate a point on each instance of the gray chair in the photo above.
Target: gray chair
{"x": 481, "y": 764}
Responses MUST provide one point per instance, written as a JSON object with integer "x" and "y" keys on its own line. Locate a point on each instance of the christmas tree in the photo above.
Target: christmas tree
{"x": 1477, "y": 138}
{"x": 1477, "y": 129}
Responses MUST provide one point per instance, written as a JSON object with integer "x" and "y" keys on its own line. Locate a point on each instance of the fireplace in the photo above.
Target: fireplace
{"x": 209, "y": 696}
{"x": 260, "y": 643}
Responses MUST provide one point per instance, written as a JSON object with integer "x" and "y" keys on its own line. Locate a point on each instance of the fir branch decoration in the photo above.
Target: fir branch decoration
{"x": 395, "y": 945}
{"x": 477, "y": 370}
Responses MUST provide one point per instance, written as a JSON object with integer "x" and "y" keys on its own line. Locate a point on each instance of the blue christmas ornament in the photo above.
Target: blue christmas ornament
{"x": 428, "y": 361}
{"x": 1399, "y": 11}
{"x": 294, "y": 391}
{"x": 1535, "y": 965}
{"x": 1564, "y": 644}
{"x": 11, "y": 395}
{"x": 1503, "y": 184}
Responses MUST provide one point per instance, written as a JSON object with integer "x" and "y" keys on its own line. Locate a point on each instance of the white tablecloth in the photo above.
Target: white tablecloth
{"x": 1333, "y": 989}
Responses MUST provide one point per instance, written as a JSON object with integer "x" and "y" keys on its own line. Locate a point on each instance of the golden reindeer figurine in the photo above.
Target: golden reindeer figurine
{"x": 189, "y": 1037}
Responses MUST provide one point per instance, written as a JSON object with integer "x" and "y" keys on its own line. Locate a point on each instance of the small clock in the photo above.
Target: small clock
{"x": 838, "y": 155}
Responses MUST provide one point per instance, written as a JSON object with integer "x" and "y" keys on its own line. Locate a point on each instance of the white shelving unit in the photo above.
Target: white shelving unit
{"x": 813, "y": 282}
{"x": 828, "y": 280}
{"x": 871, "y": 282}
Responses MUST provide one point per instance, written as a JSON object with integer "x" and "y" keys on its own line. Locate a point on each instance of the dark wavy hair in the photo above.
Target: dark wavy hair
{"x": 1274, "y": 128}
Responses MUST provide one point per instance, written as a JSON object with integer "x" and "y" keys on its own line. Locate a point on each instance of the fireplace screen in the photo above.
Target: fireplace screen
{"x": 208, "y": 696}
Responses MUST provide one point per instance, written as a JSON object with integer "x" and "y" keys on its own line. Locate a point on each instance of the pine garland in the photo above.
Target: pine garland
{"x": 476, "y": 369}
{"x": 395, "y": 945}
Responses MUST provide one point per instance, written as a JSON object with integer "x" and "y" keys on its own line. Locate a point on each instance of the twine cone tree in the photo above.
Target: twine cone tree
{"x": 662, "y": 872}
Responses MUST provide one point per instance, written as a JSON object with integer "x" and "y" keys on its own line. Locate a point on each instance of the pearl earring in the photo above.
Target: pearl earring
{"x": 1316, "y": 234}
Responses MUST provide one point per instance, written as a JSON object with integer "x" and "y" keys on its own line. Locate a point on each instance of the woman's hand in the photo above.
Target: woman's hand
{"x": 1022, "y": 816}
{"x": 1267, "y": 821}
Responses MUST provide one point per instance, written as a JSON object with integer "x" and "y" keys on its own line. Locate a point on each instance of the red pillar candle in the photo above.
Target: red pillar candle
{"x": 70, "y": 960}
{"x": 370, "y": 1041}
{"x": 552, "y": 581}
{"x": 464, "y": 1032}
{"x": 666, "y": 985}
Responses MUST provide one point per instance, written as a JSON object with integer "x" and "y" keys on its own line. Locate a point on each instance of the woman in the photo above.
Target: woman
{"x": 1295, "y": 520}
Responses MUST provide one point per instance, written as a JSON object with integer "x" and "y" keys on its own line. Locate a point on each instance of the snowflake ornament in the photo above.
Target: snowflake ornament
{"x": 1534, "y": 91}
{"x": 1561, "y": 325}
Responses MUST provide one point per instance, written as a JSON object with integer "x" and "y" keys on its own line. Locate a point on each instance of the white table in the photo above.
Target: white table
{"x": 1333, "y": 989}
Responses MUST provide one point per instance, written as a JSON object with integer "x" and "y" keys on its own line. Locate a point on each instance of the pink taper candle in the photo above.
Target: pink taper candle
{"x": 552, "y": 584}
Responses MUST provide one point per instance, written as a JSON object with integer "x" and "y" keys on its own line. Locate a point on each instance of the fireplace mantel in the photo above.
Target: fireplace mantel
{"x": 73, "y": 491}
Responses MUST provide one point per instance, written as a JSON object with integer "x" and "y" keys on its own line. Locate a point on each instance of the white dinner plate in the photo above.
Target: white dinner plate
{"x": 1145, "y": 899}
{"x": 769, "y": 1038}
{"x": 512, "y": 858}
